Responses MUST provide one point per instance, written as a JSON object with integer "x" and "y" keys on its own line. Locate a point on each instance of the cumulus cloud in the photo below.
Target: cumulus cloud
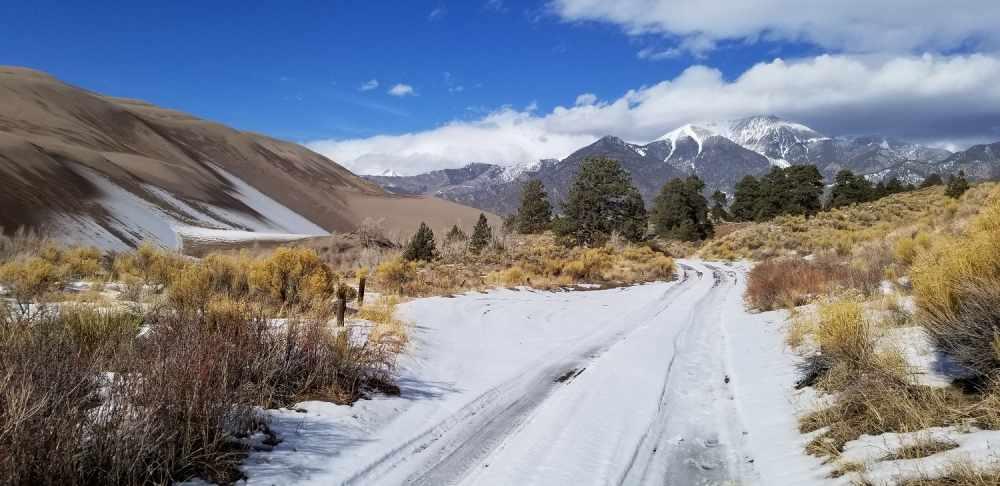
{"x": 369, "y": 85}
{"x": 853, "y": 26}
{"x": 586, "y": 99}
{"x": 922, "y": 98}
{"x": 402, "y": 90}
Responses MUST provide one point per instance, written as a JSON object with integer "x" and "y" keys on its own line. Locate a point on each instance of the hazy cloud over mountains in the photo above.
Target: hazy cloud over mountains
{"x": 928, "y": 98}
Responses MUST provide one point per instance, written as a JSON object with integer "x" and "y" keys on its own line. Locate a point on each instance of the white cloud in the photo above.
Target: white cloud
{"x": 586, "y": 99}
{"x": 653, "y": 54}
{"x": 495, "y": 5}
{"x": 926, "y": 98}
{"x": 843, "y": 25}
{"x": 369, "y": 85}
{"x": 402, "y": 90}
{"x": 500, "y": 137}
{"x": 437, "y": 14}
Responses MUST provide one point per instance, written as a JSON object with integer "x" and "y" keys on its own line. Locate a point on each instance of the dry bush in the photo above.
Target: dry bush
{"x": 874, "y": 403}
{"x": 84, "y": 400}
{"x": 907, "y": 249}
{"x": 132, "y": 289}
{"x": 191, "y": 289}
{"x": 395, "y": 274}
{"x": 388, "y": 329}
{"x": 28, "y": 280}
{"x": 844, "y": 333}
{"x": 22, "y": 242}
{"x": 293, "y": 276}
{"x": 791, "y": 282}
{"x": 874, "y": 391}
{"x": 920, "y": 447}
{"x": 81, "y": 262}
{"x": 153, "y": 265}
{"x": 962, "y": 473}
{"x": 590, "y": 265}
{"x": 800, "y": 327}
{"x": 772, "y": 284}
{"x": 957, "y": 290}
{"x": 511, "y": 277}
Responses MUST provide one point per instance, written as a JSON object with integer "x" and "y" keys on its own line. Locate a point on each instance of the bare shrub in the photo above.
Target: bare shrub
{"x": 85, "y": 398}
{"x": 970, "y": 334}
{"x": 22, "y": 242}
{"x": 788, "y": 282}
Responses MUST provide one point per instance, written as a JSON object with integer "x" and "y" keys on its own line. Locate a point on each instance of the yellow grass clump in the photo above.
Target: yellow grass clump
{"x": 387, "y": 330}
{"x": 957, "y": 289}
{"x": 844, "y": 333}
{"x": 29, "y": 278}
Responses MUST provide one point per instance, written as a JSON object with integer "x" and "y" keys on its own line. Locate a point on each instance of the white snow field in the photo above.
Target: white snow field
{"x": 666, "y": 383}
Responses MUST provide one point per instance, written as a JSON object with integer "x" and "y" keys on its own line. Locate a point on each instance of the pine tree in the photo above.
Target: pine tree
{"x": 932, "y": 179}
{"x": 681, "y": 212}
{"x": 535, "y": 214}
{"x": 455, "y": 235}
{"x": 602, "y": 200}
{"x": 791, "y": 190}
{"x": 719, "y": 200}
{"x": 421, "y": 246}
{"x": 850, "y": 189}
{"x": 804, "y": 185}
{"x": 745, "y": 199}
{"x": 482, "y": 234}
{"x": 957, "y": 185}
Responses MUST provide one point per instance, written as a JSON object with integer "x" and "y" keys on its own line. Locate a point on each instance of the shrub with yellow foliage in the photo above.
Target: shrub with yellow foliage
{"x": 957, "y": 290}
{"x": 293, "y": 276}
{"x": 29, "y": 279}
{"x": 395, "y": 274}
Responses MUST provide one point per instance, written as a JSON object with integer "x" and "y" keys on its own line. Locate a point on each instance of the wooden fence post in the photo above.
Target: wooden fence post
{"x": 361, "y": 290}
{"x": 341, "y": 308}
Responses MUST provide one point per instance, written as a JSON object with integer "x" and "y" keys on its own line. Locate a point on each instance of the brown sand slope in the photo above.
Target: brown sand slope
{"x": 83, "y": 166}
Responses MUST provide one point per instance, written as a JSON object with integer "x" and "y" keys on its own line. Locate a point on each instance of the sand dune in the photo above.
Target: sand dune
{"x": 113, "y": 172}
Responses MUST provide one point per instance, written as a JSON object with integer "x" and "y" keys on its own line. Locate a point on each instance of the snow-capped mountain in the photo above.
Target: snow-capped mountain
{"x": 978, "y": 162}
{"x": 720, "y": 152}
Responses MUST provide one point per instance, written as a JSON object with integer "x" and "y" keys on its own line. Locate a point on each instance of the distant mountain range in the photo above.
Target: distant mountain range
{"x": 721, "y": 153}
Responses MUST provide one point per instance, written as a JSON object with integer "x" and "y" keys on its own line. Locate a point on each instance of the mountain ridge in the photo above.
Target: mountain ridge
{"x": 721, "y": 153}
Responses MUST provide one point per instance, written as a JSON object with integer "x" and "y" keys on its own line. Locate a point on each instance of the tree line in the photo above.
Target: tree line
{"x": 603, "y": 201}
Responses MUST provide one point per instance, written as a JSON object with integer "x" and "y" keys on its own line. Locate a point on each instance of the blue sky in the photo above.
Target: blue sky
{"x": 295, "y": 69}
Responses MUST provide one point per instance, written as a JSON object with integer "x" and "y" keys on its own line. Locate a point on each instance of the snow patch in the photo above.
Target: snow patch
{"x": 694, "y": 132}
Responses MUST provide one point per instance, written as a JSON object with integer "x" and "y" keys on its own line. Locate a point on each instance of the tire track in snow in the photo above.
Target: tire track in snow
{"x": 451, "y": 448}
{"x": 681, "y": 447}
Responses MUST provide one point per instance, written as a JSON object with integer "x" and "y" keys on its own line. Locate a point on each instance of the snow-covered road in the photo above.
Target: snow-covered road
{"x": 667, "y": 383}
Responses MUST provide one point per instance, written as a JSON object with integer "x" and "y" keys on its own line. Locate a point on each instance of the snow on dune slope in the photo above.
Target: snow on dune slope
{"x": 667, "y": 383}
{"x": 167, "y": 223}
